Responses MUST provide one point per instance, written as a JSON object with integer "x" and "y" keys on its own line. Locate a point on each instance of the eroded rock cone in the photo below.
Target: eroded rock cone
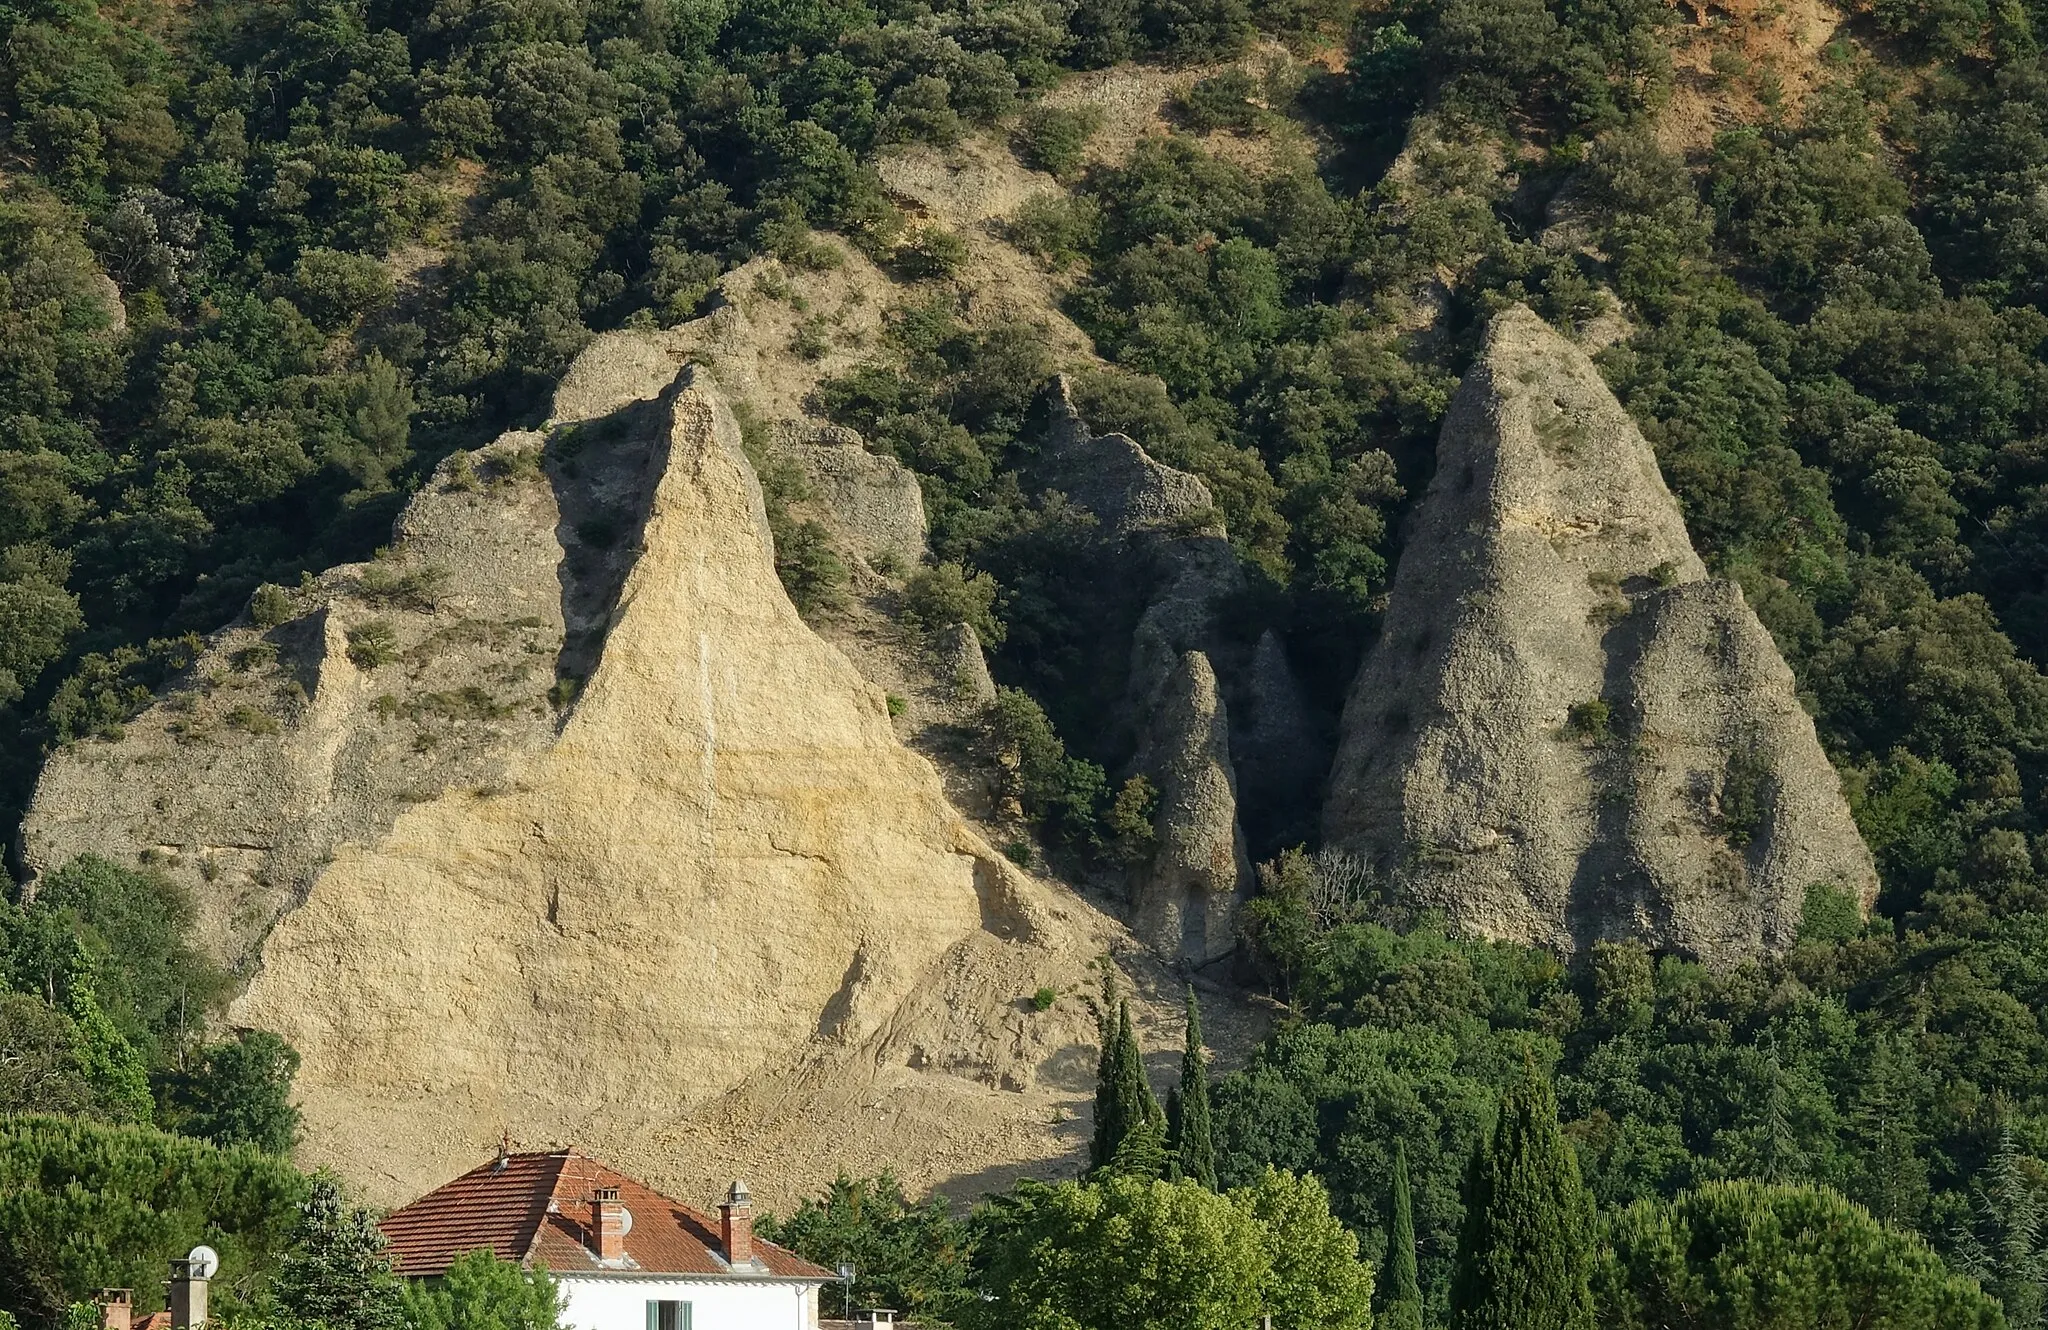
{"x": 1566, "y": 731}
{"x": 964, "y": 665}
{"x": 1184, "y": 901}
{"x": 559, "y": 820}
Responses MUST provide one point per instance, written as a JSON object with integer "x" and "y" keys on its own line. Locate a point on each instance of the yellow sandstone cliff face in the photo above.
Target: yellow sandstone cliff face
{"x": 710, "y": 917}
{"x": 725, "y": 853}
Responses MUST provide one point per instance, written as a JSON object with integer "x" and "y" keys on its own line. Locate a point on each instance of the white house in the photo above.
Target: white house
{"x": 625, "y": 1256}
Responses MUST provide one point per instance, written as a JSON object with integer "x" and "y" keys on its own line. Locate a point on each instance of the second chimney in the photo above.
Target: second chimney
{"x": 188, "y": 1295}
{"x": 736, "y": 1225}
{"x": 117, "y": 1309}
{"x": 608, "y": 1222}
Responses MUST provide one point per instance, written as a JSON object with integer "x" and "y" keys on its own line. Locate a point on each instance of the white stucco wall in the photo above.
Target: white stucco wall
{"x": 618, "y": 1302}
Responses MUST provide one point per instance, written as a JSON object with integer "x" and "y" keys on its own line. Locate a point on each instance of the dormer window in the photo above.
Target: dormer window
{"x": 666, "y": 1314}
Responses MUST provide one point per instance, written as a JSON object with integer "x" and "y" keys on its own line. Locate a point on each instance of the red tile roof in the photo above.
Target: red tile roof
{"x": 536, "y": 1209}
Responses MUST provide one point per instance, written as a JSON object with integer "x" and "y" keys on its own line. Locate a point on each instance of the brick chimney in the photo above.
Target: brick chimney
{"x": 608, "y": 1223}
{"x": 188, "y": 1295}
{"x": 117, "y": 1308}
{"x": 736, "y": 1225}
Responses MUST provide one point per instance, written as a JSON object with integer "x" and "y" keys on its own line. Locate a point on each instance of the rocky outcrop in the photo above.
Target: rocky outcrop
{"x": 962, "y": 664}
{"x": 559, "y": 820}
{"x": 1160, "y": 524}
{"x": 1567, "y": 731}
{"x": 873, "y": 503}
{"x": 1184, "y": 901}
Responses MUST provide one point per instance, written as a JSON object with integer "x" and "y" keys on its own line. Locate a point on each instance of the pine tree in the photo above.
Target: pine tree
{"x": 1123, "y": 1100}
{"x": 2004, "y": 1248}
{"x": 1194, "y": 1144}
{"x": 1525, "y": 1258}
{"x": 1404, "y": 1286}
{"x": 338, "y": 1273}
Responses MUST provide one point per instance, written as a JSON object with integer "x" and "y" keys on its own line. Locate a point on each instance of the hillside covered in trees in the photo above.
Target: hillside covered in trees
{"x": 269, "y": 263}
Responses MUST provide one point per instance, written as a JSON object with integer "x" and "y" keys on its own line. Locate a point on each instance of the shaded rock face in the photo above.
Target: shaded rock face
{"x": 874, "y": 503}
{"x": 1159, "y": 529}
{"x": 1281, "y": 748}
{"x": 559, "y": 820}
{"x": 1184, "y": 902}
{"x": 1566, "y": 731}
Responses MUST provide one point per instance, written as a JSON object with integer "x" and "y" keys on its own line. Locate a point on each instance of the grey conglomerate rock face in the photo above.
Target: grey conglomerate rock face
{"x": 1567, "y": 731}
{"x": 874, "y": 501}
{"x": 963, "y": 663}
{"x": 1185, "y": 900}
{"x": 1160, "y": 524}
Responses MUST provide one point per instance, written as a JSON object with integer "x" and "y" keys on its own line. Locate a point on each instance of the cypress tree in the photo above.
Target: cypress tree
{"x": 1404, "y": 1287}
{"x": 1194, "y": 1143}
{"x": 1123, "y": 1101}
{"x": 1142, "y": 1151}
{"x": 1103, "y": 1144}
{"x": 1525, "y": 1254}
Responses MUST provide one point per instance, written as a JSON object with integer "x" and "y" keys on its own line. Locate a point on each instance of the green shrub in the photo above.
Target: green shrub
{"x": 811, "y": 570}
{"x": 1745, "y": 797}
{"x": 412, "y": 588}
{"x": 1829, "y": 915}
{"x": 1043, "y": 999}
{"x": 1589, "y": 720}
{"x": 946, "y": 594}
{"x": 269, "y": 606}
{"x": 337, "y": 288}
{"x": 1129, "y": 821}
{"x": 1228, "y": 100}
{"x": 1055, "y": 139}
{"x": 373, "y": 644}
{"x": 250, "y": 720}
{"x": 930, "y": 252}
{"x": 812, "y": 340}
{"x": 1059, "y": 229}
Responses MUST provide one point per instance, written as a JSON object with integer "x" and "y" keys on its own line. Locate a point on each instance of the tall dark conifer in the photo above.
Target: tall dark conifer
{"x": 1194, "y": 1144}
{"x": 1404, "y": 1287}
{"x": 1525, "y": 1254}
{"x": 1123, "y": 1100}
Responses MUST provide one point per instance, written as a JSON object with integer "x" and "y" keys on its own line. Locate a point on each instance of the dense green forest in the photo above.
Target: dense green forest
{"x": 265, "y": 262}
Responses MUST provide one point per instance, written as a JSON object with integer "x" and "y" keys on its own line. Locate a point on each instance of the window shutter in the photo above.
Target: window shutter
{"x": 685, "y": 1317}
{"x": 653, "y": 1316}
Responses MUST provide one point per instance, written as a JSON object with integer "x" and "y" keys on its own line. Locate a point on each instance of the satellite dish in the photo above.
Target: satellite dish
{"x": 204, "y": 1261}
{"x": 625, "y": 1221}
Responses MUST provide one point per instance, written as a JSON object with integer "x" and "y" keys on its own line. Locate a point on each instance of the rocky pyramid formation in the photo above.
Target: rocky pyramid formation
{"x": 557, "y": 819}
{"x": 1566, "y": 730}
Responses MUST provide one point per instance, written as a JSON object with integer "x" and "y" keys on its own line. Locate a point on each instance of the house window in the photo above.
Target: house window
{"x": 667, "y": 1315}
